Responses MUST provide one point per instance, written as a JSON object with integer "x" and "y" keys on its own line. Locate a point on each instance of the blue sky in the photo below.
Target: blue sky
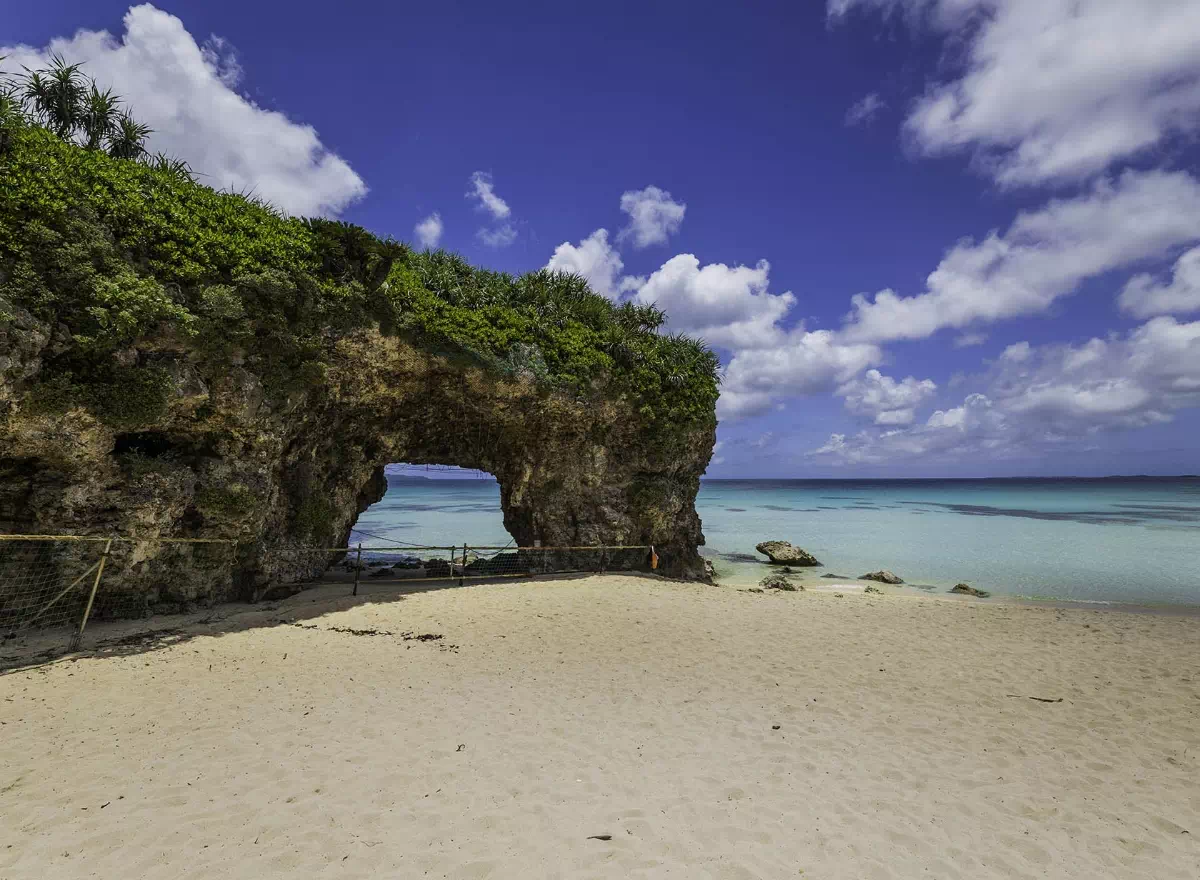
{"x": 856, "y": 146}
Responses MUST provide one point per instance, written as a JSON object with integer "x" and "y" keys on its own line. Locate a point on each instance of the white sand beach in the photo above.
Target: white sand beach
{"x": 612, "y": 727}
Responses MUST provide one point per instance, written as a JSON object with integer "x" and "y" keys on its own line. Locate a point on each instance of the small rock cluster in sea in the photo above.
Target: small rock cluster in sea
{"x": 786, "y": 554}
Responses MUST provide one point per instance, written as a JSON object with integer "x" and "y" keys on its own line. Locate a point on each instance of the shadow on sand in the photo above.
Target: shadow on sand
{"x": 124, "y": 638}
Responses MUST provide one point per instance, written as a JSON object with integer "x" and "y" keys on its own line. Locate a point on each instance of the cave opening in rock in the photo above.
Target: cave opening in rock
{"x": 434, "y": 505}
{"x": 148, "y": 444}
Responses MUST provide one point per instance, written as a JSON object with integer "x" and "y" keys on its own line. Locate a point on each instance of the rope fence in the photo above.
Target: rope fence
{"x": 51, "y": 586}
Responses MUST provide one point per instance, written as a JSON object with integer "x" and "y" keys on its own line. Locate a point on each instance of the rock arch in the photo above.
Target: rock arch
{"x": 280, "y": 472}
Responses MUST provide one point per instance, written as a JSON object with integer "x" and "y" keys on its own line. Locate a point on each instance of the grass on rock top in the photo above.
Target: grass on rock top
{"x": 115, "y": 250}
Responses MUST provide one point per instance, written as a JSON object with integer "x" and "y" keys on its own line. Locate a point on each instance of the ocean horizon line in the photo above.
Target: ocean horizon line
{"x": 485, "y": 476}
{"x": 1017, "y": 479}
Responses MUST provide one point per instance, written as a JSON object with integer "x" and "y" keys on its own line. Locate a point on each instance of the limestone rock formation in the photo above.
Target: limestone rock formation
{"x": 191, "y": 364}
{"x": 883, "y": 577}
{"x": 783, "y": 553}
{"x": 295, "y": 472}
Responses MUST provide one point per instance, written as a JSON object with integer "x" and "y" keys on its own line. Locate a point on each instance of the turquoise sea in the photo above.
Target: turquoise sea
{"x": 1132, "y": 540}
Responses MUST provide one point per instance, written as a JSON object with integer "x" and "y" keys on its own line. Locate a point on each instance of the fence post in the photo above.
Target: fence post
{"x": 462, "y": 572}
{"x": 357, "y": 569}
{"x": 87, "y": 611}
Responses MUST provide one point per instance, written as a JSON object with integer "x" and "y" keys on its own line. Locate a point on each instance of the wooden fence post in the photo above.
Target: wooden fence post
{"x": 357, "y": 569}
{"x": 87, "y": 611}
{"x": 462, "y": 572}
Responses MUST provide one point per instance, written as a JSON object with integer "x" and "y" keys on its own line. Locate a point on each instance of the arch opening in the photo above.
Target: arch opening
{"x": 432, "y": 505}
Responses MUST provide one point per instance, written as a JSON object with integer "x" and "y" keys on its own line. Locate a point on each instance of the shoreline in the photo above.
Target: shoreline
{"x": 41, "y": 647}
{"x": 819, "y": 584}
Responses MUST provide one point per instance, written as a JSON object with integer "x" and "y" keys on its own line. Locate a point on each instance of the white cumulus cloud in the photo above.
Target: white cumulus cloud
{"x": 483, "y": 193}
{"x": 884, "y": 400}
{"x": 1054, "y": 90}
{"x": 802, "y": 362}
{"x": 653, "y": 216}
{"x": 429, "y": 231}
{"x": 1044, "y": 255}
{"x": 186, "y": 93}
{"x": 729, "y": 306}
{"x": 967, "y": 340}
{"x": 1054, "y": 396}
{"x": 499, "y": 236}
{"x": 597, "y": 261}
{"x": 1144, "y": 296}
{"x": 862, "y": 112}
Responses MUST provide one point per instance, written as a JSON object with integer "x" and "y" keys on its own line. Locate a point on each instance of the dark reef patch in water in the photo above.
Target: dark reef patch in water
{"x": 383, "y": 529}
{"x": 1088, "y": 517}
{"x": 1171, "y": 508}
{"x": 736, "y": 509}
{"x": 741, "y": 557}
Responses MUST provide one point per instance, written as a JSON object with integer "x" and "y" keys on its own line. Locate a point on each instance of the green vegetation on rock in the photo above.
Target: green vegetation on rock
{"x": 114, "y": 250}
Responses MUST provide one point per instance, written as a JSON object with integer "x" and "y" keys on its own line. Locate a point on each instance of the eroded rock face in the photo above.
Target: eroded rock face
{"x": 284, "y": 471}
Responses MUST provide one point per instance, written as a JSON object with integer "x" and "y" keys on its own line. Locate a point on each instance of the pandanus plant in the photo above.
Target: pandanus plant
{"x": 64, "y": 100}
{"x": 168, "y": 165}
{"x": 57, "y": 96}
{"x": 99, "y": 117}
{"x": 127, "y": 138}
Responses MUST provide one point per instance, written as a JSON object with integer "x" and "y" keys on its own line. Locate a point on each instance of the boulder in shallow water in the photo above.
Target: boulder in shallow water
{"x": 883, "y": 576}
{"x": 968, "y": 590}
{"x": 784, "y": 553}
{"x": 778, "y": 582}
